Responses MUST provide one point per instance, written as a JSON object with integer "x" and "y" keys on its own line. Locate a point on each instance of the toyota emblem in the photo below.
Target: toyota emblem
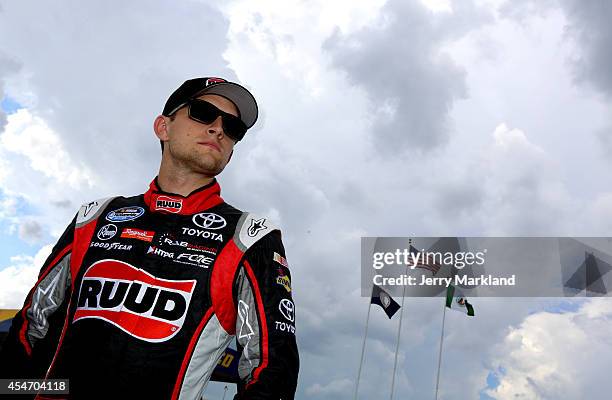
{"x": 287, "y": 309}
{"x": 209, "y": 221}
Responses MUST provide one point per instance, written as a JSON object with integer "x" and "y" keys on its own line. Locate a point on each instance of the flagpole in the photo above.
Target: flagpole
{"x": 365, "y": 334}
{"x": 440, "y": 352}
{"x": 399, "y": 331}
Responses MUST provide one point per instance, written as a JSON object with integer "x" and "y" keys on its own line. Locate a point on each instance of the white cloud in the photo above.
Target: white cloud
{"x": 17, "y": 279}
{"x": 28, "y": 135}
{"x": 438, "y": 5}
{"x": 557, "y": 356}
{"x": 335, "y": 387}
{"x": 506, "y": 137}
{"x": 41, "y": 183}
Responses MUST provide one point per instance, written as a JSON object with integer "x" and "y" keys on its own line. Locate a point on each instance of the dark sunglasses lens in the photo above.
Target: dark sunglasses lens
{"x": 203, "y": 111}
{"x": 234, "y": 127}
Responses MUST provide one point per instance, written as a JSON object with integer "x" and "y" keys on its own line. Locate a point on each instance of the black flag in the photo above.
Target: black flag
{"x": 383, "y": 299}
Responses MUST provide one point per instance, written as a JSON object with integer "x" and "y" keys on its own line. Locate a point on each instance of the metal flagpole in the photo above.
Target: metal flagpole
{"x": 399, "y": 331}
{"x": 363, "y": 348}
{"x": 440, "y": 352}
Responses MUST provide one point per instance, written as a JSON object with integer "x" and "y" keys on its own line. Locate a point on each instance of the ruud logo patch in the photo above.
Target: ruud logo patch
{"x": 146, "y": 307}
{"x": 169, "y": 204}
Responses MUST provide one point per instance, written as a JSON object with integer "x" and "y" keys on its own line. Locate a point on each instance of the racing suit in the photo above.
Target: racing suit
{"x": 141, "y": 296}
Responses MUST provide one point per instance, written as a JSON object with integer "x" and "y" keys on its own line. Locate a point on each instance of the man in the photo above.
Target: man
{"x": 141, "y": 295}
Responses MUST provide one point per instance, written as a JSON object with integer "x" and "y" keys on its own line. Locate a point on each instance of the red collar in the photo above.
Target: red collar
{"x": 169, "y": 203}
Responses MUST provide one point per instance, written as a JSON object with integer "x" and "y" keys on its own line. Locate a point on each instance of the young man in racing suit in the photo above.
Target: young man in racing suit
{"x": 141, "y": 295}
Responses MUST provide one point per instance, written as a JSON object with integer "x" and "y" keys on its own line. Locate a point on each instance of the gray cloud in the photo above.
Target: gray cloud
{"x": 98, "y": 70}
{"x": 412, "y": 84}
{"x": 589, "y": 24}
{"x": 30, "y": 231}
{"x": 605, "y": 138}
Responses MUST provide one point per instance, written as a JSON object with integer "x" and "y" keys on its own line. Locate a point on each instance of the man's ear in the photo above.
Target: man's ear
{"x": 160, "y": 127}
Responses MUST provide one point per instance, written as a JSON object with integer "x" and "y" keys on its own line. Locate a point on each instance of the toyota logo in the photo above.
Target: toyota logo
{"x": 209, "y": 221}
{"x": 287, "y": 308}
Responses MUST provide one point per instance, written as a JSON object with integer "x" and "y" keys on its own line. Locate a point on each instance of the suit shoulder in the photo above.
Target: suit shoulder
{"x": 251, "y": 228}
{"x": 91, "y": 210}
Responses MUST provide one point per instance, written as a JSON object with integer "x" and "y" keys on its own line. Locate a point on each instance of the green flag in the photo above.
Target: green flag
{"x": 458, "y": 303}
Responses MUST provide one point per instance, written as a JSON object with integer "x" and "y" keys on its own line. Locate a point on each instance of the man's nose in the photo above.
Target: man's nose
{"x": 216, "y": 127}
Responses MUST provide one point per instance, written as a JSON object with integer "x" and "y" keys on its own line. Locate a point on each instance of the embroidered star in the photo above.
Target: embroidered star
{"x": 246, "y": 331}
{"x": 40, "y": 314}
{"x": 256, "y": 226}
{"x": 89, "y": 207}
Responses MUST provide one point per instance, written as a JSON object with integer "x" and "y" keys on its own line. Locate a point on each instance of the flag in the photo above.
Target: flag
{"x": 227, "y": 367}
{"x": 460, "y": 303}
{"x": 426, "y": 261}
{"x": 589, "y": 274}
{"x": 383, "y": 299}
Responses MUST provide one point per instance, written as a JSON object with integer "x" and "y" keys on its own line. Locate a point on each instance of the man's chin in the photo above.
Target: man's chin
{"x": 209, "y": 169}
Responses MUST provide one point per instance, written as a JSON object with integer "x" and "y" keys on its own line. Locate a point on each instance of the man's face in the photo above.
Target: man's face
{"x": 201, "y": 148}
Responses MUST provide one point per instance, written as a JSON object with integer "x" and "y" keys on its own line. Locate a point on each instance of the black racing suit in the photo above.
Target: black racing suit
{"x": 141, "y": 296}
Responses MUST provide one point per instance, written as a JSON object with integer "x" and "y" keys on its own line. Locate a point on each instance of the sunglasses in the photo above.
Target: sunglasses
{"x": 206, "y": 113}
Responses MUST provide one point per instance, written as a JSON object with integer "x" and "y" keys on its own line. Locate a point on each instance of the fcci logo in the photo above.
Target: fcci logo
{"x": 146, "y": 307}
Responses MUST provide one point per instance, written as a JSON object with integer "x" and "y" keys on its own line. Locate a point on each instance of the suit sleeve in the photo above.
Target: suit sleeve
{"x": 265, "y": 323}
{"x": 32, "y": 339}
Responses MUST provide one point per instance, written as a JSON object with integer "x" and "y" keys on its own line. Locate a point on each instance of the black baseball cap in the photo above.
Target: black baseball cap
{"x": 237, "y": 94}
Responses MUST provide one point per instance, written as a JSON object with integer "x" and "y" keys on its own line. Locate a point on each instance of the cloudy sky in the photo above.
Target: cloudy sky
{"x": 378, "y": 118}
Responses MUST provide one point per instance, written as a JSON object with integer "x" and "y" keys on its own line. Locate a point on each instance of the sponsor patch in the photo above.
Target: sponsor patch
{"x": 132, "y": 233}
{"x": 284, "y": 281}
{"x": 287, "y": 309}
{"x": 284, "y": 327}
{"x": 210, "y": 81}
{"x": 125, "y": 214}
{"x": 198, "y": 260}
{"x": 209, "y": 221}
{"x": 168, "y": 239}
{"x": 111, "y": 246}
{"x": 144, "y": 306}
{"x": 256, "y": 226}
{"x": 281, "y": 260}
{"x": 203, "y": 234}
{"x": 159, "y": 252}
{"x": 169, "y": 204}
{"x": 107, "y": 232}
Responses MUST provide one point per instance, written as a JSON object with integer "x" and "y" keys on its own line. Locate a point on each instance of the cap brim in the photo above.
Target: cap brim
{"x": 240, "y": 96}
